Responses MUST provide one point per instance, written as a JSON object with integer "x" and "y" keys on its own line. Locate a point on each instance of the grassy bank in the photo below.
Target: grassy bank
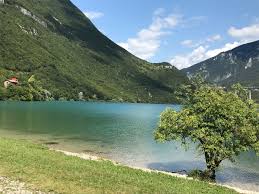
{"x": 51, "y": 171}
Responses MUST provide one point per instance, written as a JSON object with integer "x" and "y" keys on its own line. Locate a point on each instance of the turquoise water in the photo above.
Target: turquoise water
{"x": 122, "y": 132}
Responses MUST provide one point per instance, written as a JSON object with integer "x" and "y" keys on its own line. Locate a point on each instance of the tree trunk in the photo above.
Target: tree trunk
{"x": 210, "y": 172}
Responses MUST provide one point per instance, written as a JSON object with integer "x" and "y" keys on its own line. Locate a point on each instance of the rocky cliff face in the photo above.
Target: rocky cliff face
{"x": 238, "y": 65}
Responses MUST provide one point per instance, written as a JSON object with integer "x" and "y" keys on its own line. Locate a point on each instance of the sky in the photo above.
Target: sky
{"x": 180, "y": 32}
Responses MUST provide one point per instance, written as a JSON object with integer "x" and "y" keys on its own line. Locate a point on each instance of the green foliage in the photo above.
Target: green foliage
{"x": 240, "y": 91}
{"x": 220, "y": 122}
{"x": 27, "y": 90}
{"x": 184, "y": 92}
{"x": 19, "y": 93}
{"x": 70, "y": 56}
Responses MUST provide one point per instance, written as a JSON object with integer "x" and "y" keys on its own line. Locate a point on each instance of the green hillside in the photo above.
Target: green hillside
{"x": 53, "y": 41}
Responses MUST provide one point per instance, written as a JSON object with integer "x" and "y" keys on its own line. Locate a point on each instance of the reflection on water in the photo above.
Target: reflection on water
{"x": 123, "y": 132}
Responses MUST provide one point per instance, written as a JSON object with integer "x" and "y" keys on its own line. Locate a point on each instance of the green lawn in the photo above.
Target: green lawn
{"x": 51, "y": 171}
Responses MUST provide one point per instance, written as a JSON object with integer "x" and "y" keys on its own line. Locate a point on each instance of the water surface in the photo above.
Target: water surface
{"x": 122, "y": 132}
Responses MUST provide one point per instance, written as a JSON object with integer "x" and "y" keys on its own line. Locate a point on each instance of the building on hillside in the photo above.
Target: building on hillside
{"x": 13, "y": 81}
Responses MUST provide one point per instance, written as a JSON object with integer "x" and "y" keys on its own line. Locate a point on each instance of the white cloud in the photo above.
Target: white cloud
{"x": 214, "y": 38}
{"x": 245, "y": 34}
{"x": 248, "y": 32}
{"x": 226, "y": 47}
{"x": 159, "y": 12}
{"x": 193, "y": 44}
{"x": 187, "y": 43}
{"x": 200, "y": 54}
{"x": 93, "y": 14}
{"x": 148, "y": 40}
{"x": 183, "y": 61}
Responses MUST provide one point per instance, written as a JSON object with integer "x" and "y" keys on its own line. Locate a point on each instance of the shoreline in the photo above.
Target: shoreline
{"x": 87, "y": 156}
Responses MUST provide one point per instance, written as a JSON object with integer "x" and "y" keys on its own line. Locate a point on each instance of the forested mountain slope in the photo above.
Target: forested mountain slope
{"x": 53, "y": 41}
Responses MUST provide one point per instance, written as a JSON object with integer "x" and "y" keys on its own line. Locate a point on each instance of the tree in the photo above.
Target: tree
{"x": 240, "y": 91}
{"x": 220, "y": 122}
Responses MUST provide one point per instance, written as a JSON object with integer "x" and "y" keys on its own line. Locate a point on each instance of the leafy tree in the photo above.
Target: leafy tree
{"x": 27, "y": 90}
{"x": 220, "y": 122}
{"x": 240, "y": 91}
{"x": 184, "y": 92}
{"x": 19, "y": 93}
{"x": 2, "y": 93}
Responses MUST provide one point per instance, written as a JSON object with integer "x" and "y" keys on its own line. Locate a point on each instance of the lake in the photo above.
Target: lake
{"x": 121, "y": 132}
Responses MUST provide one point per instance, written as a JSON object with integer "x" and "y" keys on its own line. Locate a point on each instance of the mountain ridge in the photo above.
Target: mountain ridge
{"x": 55, "y": 42}
{"x": 240, "y": 64}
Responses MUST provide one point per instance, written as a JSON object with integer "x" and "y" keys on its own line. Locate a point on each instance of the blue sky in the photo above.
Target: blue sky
{"x": 180, "y": 32}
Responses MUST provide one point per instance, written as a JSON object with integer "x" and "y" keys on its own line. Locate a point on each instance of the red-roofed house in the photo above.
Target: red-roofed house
{"x": 12, "y": 80}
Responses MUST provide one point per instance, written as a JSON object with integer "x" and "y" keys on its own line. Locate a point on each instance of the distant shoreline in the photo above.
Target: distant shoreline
{"x": 92, "y": 101}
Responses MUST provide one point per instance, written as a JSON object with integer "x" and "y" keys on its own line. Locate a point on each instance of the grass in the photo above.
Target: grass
{"x": 51, "y": 171}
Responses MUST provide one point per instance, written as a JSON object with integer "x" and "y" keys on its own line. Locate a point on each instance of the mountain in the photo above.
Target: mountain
{"x": 54, "y": 43}
{"x": 240, "y": 65}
